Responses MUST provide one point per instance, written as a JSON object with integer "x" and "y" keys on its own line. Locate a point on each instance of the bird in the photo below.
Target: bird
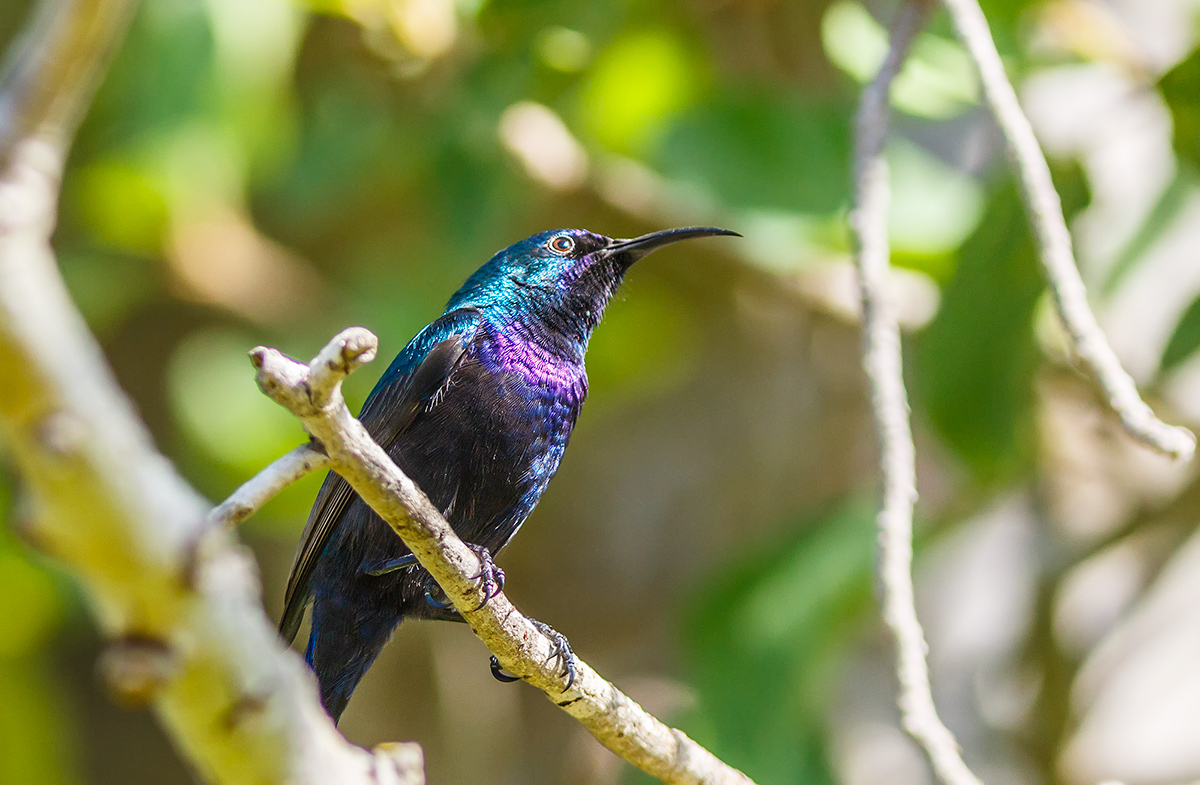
{"x": 477, "y": 410}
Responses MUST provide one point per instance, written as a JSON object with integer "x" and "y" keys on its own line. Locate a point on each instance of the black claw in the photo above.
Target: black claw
{"x": 431, "y": 591}
{"x": 499, "y": 674}
{"x": 433, "y": 603}
{"x": 562, "y": 651}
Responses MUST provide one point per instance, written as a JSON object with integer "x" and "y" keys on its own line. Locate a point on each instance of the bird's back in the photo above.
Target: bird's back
{"x": 483, "y": 452}
{"x": 483, "y": 448}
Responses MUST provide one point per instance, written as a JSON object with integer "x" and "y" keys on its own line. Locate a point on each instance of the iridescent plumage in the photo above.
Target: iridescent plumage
{"x": 477, "y": 409}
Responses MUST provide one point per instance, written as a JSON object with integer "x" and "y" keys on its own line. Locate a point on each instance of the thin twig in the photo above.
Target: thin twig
{"x": 265, "y": 485}
{"x": 1054, "y": 241}
{"x": 882, "y": 362}
{"x": 313, "y": 394}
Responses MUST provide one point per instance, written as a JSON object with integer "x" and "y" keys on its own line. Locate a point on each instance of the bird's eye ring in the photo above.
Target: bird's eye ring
{"x": 561, "y": 244}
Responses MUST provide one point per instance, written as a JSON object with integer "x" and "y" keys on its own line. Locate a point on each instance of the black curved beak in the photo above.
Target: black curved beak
{"x": 632, "y": 250}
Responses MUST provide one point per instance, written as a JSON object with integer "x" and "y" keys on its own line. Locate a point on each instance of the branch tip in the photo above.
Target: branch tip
{"x": 1044, "y": 210}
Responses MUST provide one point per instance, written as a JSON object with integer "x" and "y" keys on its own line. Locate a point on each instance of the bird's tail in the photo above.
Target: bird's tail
{"x": 344, "y": 641}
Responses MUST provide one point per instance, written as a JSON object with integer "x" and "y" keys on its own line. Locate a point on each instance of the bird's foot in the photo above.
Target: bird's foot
{"x": 499, "y": 674}
{"x": 562, "y": 652}
{"x": 490, "y": 576}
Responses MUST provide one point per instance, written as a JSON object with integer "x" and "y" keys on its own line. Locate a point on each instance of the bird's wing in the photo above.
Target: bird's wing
{"x": 409, "y": 387}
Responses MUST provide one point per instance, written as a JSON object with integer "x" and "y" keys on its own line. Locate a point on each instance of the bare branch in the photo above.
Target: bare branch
{"x": 265, "y": 485}
{"x": 1054, "y": 241}
{"x": 882, "y": 362}
{"x": 55, "y": 66}
{"x": 313, "y": 394}
{"x": 179, "y": 600}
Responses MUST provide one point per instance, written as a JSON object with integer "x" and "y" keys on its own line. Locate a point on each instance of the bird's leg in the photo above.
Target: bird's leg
{"x": 492, "y": 578}
{"x": 384, "y": 566}
{"x": 490, "y": 575}
{"x": 562, "y": 651}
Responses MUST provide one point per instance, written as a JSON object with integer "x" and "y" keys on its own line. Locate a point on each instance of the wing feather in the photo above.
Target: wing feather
{"x": 408, "y": 388}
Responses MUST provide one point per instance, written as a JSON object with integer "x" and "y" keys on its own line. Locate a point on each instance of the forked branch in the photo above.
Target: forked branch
{"x": 313, "y": 394}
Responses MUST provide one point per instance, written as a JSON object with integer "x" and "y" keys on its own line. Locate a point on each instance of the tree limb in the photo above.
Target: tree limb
{"x": 889, "y": 401}
{"x": 313, "y": 393}
{"x": 1054, "y": 242}
{"x": 178, "y": 598}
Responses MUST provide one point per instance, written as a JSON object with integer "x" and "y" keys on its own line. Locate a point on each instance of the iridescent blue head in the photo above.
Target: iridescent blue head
{"x": 563, "y": 278}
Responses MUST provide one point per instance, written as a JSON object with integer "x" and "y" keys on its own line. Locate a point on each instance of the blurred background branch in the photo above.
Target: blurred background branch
{"x": 51, "y": 73}
{"x": 889, "y": 399}
{"x": 268, "y": 172}
{"x": 882, "y": 351}
{"x": 1054, "y": 242}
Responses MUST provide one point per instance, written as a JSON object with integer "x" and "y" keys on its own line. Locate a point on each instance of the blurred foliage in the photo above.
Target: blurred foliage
{"x": 734, "y": 147}
{"x": 976, "y": 361}
{"x": 36, "y": 731}
{"x": 767, "y": 641}
{"x": 978, "y": 354}
{"x": 1180, "y": 88}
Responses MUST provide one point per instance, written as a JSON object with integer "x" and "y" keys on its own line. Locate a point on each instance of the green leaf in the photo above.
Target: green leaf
{"x": 638, "y": 83}
{"x": 974, "y": 364}
{"x": 1180, "y": 88}
{"x": 1185, "y": 340}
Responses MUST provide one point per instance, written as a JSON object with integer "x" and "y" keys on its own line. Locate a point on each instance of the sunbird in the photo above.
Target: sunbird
{"x": 477, "y": 410}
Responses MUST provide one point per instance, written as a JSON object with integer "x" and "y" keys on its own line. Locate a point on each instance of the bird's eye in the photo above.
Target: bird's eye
{"x": 561, "y": 245}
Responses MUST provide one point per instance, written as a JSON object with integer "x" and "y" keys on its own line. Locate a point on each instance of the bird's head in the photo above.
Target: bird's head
{"x": 565, "y": 276}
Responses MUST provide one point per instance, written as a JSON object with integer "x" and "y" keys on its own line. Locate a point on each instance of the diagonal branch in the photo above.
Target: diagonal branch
{"x": 313, "y": 393}
{"x": 1054, "y": 241}
{"x": 889, "y": 401}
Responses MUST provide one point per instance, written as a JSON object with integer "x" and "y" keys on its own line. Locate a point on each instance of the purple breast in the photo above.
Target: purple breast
{"x": 561, "y": 379}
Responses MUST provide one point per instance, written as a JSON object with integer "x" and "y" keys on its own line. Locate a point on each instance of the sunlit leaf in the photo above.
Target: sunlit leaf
{"x": 123, "y": 206}
{"x": 636, "y": 85}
